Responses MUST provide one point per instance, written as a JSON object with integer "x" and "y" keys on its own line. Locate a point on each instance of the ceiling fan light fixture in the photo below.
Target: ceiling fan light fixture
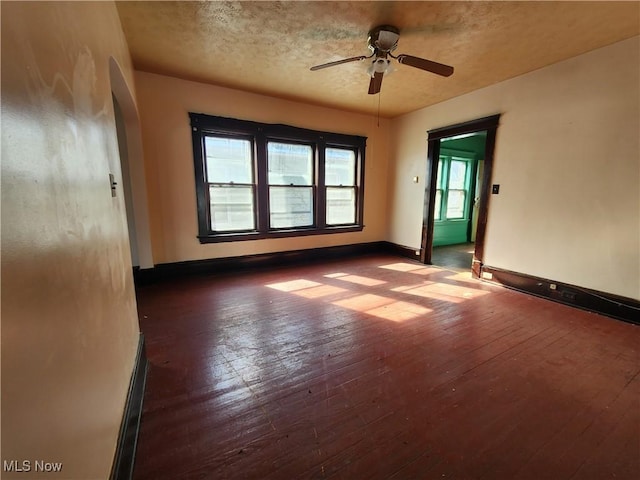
{"x": 379, "y": 65}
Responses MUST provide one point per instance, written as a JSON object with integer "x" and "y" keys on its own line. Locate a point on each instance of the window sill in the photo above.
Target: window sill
{"x": 452, "y": 220}
{"x": 245, "y": 236}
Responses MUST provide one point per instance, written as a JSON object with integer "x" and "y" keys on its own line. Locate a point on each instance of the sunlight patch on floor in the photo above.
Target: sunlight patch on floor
{"x": 383, "y": 307}
{"x": 402, "y": 267}
{"x": 293, "y": 285}
{"x": 366, "y": 281}
{"x": 456, "y": 290}
{"x": 420, "y": 291}
{"x": 362, "y": 303}
{"x": 442, "y": 291}
{"x": 336, "y": 275}
{"x": 320, "y": 291}
{"x": 466, "y": 277}
{"x": 399, "y": 311}
{"x": 427, "y": 270}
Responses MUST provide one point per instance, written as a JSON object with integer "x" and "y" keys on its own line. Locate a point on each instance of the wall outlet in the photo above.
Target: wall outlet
{"x": 553, "y": 286}
{"x": 487, "y": 275}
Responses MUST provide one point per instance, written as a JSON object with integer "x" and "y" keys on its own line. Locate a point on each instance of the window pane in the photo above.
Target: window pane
{"x": 455, "y": 203}
{"x": 290, "y": 164}
{"x": 290, "y": 207}
{"x": 341, "y": 206}
{"x": 228, "y": 160}
{"x": 231, "y": 208}
{"x": 438, "y": 207}
{"x": 439, "y": 175}
{"x": 340, "y": 167}
{"x": 457, "y": 175}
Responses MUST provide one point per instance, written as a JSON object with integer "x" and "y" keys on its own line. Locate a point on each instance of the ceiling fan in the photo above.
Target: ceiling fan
{"x": 382, "y": 41}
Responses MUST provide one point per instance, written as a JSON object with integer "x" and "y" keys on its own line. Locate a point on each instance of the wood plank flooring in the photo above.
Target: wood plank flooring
{"x": 454, "y": 257}
{"x": 382, "y": 368}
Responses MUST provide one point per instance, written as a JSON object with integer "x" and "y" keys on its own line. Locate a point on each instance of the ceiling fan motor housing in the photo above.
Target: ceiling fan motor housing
{"x": 383, "y": 39}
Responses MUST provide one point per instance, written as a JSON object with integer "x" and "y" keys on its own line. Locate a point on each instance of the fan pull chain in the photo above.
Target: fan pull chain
{"x": 379, "y": 95}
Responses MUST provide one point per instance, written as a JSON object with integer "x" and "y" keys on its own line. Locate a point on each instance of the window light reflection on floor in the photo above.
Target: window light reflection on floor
{"x": 363, "y": 302}
{"x": 428, "y": 270}
{"x": 320, "y": 291}
{"x": 294, "y": 285}
{"x": 306, "y": 288}
{"x": 383, "y": 307}
{"x": 360, "y": 280}
{"x": 380, "y": 305}
{"x": 399, "y": 311}
{"x": 419, "y": 292}
{"x": 402, "y": 267}
{"x": 441, "y": 291}
{"x": 463, "y": 277}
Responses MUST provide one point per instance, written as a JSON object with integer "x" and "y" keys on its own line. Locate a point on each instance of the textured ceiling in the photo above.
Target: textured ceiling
{"x": 268, "y": 47}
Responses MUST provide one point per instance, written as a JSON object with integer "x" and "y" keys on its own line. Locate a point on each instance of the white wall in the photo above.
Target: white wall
{"x": 567, "y": 159}
{"x": 164, "y": 104}
{"x": 69, "y": 320}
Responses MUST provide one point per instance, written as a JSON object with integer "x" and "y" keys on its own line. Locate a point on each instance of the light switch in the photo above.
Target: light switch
{"x": 495, "y": 189}
{"x": 113, "y": 183}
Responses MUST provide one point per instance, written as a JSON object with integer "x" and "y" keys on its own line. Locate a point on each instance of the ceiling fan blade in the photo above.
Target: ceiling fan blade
{"x": 376, "y": 83}
{"x": 423, "y": 64}
{"x": 338, "y": 62}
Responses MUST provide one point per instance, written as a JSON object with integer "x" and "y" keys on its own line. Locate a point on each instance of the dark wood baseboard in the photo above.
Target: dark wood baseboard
{"x": 128, "y": 438}
{"x": 401, "y": 250}
{"x": 212, "y": 266}
{"x": 164, "y": 271}
{"x": 607, "y": 304}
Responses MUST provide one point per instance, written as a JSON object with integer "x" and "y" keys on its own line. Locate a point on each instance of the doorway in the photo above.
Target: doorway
{"x": 132, "y": 167}
{"x": 459, "y": 166}
{"x": 126, "y": 181}
{"x": 458, "y": 185}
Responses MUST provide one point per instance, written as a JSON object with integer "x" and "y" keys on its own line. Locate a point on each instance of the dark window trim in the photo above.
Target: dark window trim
{"x": 261, "y": 133}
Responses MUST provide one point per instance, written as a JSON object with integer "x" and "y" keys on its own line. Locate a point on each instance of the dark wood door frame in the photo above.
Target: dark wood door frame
{"x": 488, "y": 124}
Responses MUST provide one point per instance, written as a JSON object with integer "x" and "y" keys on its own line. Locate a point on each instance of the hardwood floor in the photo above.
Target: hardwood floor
{"x": 383, "y": 368}
{"x": 454, "y": 257}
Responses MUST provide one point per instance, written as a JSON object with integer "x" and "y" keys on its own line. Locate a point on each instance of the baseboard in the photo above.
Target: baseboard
{"x": 165, "y": 271}
{"x": 607, "y": 304}
{"x": 211, "y": 266}
{"x": 128, "y": 438}
{"x": 401, "y": 250}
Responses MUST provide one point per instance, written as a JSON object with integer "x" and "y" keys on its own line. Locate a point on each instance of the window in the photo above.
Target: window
{"x": 452, "y": 188}
{"x": 229, "y": 167}
{"x": 258, "y": 180}
{"x": 439, "y": 188}
{"x": 290, "y": 185}
{"x": 340, "y": 179}
{"x": 456, "y": 192}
